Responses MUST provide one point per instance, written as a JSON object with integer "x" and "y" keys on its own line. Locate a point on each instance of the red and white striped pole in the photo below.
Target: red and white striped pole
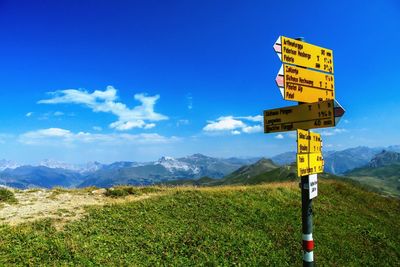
{"x": 307, "y": 225}
{"x": 308, "y": 247}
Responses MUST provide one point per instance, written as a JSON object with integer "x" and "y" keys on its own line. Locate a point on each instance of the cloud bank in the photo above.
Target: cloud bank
{"x": 58, "y": 136}
{"x": 235, "y": 125}
{"x": 142, "y": 116}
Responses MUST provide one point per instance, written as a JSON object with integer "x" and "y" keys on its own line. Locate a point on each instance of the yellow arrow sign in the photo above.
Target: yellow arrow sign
{"x": 306, "y": 116}
{"x": 304, "y": 54}
{"x": 309, "y": 164}
{"x": 308, "y": 142}
{"x": 304, "y": 85}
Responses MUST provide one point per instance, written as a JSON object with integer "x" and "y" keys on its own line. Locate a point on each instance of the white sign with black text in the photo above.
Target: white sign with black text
{"x": 313, "y": 185}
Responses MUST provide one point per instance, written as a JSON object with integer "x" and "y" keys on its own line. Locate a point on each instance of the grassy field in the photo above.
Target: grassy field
{"x": 386, "y": 179}
{"x": 256, "y": 225}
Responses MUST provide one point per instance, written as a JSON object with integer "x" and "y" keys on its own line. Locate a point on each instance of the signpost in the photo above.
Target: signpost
{"x": 303, "y": 85}
{"x": 313, "y": 185}
{"x": 306, "y": 76}
{"x": 310, "y": 163}
{"x": 307, "y": 116}
{"x": 308, "y": 142}
{"x": 303, "y": 54}
{"x": 309, "y": 153}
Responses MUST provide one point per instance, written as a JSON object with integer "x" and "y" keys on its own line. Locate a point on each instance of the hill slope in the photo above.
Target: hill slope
{"x": 385, "y": 158}
{"x": 164, "y": 170}
{"x": 243, "y": 225}
{"x": 336, "y": 162}
{"x": 260, "y": 167}
{"x": 30, "y": 176}
{"x": 263, "y": 171}
{"x": 382, "y": 173}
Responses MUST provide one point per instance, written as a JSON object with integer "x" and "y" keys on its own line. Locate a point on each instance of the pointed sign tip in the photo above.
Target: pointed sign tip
{"x": 279, "y": 81}
{"x": 338, "y": 112}
{"x": 278, "y": 47}
{"x": 282, "y": 92}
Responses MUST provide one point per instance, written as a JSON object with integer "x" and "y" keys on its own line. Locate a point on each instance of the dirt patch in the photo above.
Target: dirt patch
{"x": 63, "y": 206}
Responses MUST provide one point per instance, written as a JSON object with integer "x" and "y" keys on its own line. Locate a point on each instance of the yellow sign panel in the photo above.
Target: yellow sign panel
{"x": 304, "y": 85}
{"x": 305, "y": 116}
{"x": 308, "y": 142}
{"x": 309, "y": 164}
{"x": 306, "y": 55}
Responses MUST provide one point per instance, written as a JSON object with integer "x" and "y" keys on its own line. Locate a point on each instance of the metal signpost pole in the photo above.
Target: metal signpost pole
{"x": 306, "y": 216}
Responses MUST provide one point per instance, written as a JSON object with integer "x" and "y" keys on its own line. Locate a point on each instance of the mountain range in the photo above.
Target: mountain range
{"x": 195, "y": 169}
{"x": 53, "y": 173}
{"x": 339, "y": 162}
{"x": 381, "y": 174}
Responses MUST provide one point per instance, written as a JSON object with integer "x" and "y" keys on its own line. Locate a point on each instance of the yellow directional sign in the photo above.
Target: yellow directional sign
{"x": 304, "y": 85}
{"x": 306, "y": 116}
{"x": 309, "y": 164}
{"x": 304, "y": 54}
{"x": 308, "y": 142}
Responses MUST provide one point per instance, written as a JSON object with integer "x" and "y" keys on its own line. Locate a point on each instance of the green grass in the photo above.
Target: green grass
{"x": 7, "y": 196}
{"x": 123, "y": 191}
{"x": 386, "y": 179}
{"x": 222, "y": 226}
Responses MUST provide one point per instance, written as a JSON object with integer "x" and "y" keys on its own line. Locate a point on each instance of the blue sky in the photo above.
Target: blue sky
{"x": 151, "y": 78}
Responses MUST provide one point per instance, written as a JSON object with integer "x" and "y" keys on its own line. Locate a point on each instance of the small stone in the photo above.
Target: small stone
{"x": 100, "y": 191}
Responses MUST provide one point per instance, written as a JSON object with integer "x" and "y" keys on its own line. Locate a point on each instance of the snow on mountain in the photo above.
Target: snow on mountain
{"x": 81, "y": 168}
{"x": 8, "y": 164}
{"x": 91, "y": 167}
{"x": 54, "y": 164}
{"x": 124, "y": 164}
{"x": 173, "y": 165}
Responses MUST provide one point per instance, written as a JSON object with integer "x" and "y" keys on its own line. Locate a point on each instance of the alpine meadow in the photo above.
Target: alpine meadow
{"x": 199, "y": 133}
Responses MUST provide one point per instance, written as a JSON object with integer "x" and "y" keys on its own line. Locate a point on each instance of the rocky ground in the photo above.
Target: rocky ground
{"x": 61, "y": 205}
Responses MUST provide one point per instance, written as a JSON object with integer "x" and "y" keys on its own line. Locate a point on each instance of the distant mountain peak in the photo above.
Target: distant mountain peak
{"x": 166, "y": 158}
{"x": 172, "y": 164}
{"x": 265, "y": 161}
{"x": 91, "y": 166}
{"x": 262, "y": 166}
{"x": 55, "y": 164}
{"x": 198, "y": 155}
{"x": 8, "y": 164}
{"x": 385, "y": 158}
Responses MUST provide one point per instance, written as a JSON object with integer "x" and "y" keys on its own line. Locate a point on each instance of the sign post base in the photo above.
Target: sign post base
{"x": 307, "y": 225}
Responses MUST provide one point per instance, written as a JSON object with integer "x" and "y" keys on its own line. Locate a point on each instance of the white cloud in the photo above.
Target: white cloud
{"x": 279, "y": 136}
{"x": 58, "y": 113}
{"x": 58, "y": 136}
{"x": 189, "y": 98}
{"x": 253, "y": 129}
{"x": 29, "y": 114}
{"x": 50, "y": 134}
{"x": 292, "y": 135}
{"x": 332, "y": 132}
{"x": 49, "y": 115}
{"x": 150, "y": 126}
{"x": 97, "y": 128}
{"x": 258, "y": 118}
{"x": 224, "y": 124}
{"x": 234, "y": 125}
{"x": 182, "y": 122}
{"x": 106, "y": 101}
